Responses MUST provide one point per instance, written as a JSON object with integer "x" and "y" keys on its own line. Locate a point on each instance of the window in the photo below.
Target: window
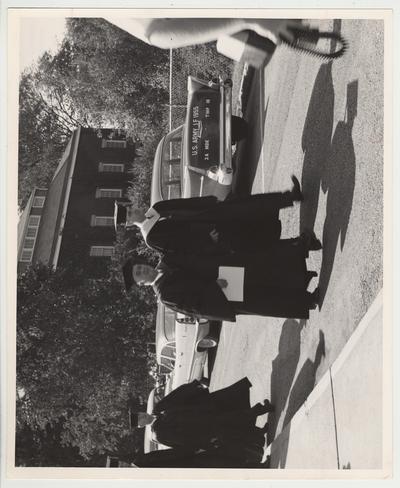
{"x": 111, "y": 167}
{"x": 29, "y": 243}
{"x": 38, "y": 202}
{"x": 171, "y": 165}
{"x": 26, "y": 255}
{"x": 169, "y": 324}
{"x": 168, "y": 355}
{"x": 108, "y": 193}
{"x": 169, "y": 350}
{"x": 162, "y": 369}
{"x": 31, "y": 232}
{"x": 110, "y": 143}
{"x": 101, "y": 221}
{"x": 34, "y": 220}
{"x": 168, "y": 363}
{"x": 30, "y": 238}
{"x": 101, "y": 251}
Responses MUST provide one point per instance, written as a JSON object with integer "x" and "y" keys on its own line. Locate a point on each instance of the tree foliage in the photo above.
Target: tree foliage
{"x": 82, "y": 343}
{"x": 37, "y": 447}
{"x": 42, "y": 139}
{"x": 103, "y": 76}
{"x": 203, "y": 61}
{"x": 81, "y": 354}
{"x": 100, "y": 77}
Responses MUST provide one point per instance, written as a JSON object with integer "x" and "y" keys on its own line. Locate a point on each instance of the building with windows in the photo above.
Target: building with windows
{"x": 28, "y": 225}
{"x": 71, "y": 222}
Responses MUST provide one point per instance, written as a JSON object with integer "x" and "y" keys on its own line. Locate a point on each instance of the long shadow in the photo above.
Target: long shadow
{"x": 337, "y": 26}
{"x": 316, "y": 135}
{"x": 284, "y": 367}
{"x": 316, "y": 141}
{"x": 303, "y": 386}
{"x": 316, "y": 144}
{"x": 338, "y": 180}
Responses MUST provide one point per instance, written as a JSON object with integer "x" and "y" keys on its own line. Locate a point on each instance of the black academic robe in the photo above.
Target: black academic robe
{"x": 275, "y": 284}
{"x": 245, "y": 223}
{"x": 236, "y": 396}
{"x": 191, "y": 418}
{"x": 214, "y": 457}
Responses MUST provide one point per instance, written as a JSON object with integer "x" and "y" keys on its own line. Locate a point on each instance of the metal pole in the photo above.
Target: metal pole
{"x": 170, "y": 117}
{"x": 170, "y": 90}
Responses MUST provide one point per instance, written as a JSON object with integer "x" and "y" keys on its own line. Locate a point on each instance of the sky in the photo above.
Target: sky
{"x": 37, "y": 36}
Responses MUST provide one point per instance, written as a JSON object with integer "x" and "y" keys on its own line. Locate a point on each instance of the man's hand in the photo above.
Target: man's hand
{"x": 214, "y": 236}
{"x": 214, "y": 442}
{"x": 222, "y": 283}
{"x": 276, "y": 29}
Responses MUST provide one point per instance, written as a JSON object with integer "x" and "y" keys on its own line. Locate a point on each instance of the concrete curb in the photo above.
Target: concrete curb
{"x": 325, "y": 382}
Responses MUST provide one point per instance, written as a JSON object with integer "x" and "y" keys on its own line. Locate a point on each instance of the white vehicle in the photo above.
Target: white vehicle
{"x": 181, "y": 345}
{"x": 192, "y": 341}
{"x": 165, "y": 339}
{"x": 181, "y": 350}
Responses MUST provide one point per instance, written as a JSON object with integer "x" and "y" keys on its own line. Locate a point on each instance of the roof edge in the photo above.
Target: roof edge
{"x": 54, "y": 260}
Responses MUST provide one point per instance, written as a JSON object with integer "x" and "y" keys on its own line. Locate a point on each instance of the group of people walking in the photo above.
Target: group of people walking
{"x": 205, "y": 429}
{"x": 197, "y": 238}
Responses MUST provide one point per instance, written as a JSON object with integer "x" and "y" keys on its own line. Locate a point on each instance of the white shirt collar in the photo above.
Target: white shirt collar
{"x": 152, "y": 217}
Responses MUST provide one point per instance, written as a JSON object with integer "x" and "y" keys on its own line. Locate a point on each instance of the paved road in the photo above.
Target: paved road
{"x": 324, "y": 123}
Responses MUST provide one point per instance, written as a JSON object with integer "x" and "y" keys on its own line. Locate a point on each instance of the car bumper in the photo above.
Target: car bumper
{"x": 223, "y": 174}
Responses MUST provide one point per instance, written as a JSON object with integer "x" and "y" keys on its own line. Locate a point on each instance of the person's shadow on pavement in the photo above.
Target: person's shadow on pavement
{"x": 316, "y": 142}
{"x": 284, "y": 367}
{"x": 338, "y": 179}
{"x": 302, "y": 387}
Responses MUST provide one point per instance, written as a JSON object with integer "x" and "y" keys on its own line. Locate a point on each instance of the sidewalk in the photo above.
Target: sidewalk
{"x": 340, "y": 424}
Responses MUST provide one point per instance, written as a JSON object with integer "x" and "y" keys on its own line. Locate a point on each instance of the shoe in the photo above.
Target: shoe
{"x": 262, "y": 408}
{"x": 269, "y": 406}
{"x": 266, "y": 463}
{"x": 310, "y": 241}
{"x": 315, "y": 244}
{"x": 297, "y": 196}
{"x": 310, "y": 276}
{"x": 258, "y": 409}
{"x": 304, "y": 241}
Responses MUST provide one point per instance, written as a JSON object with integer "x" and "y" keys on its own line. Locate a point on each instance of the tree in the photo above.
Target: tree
{"x": 100, "y": 77}
{"x": 104, "y": 76}
{"x": 81, "y": 352}
{"x": 44, "y": 447}
{"x": 42, "y": 139}
{"x": 82, "y": 343}
{"x": 203, "y": 61}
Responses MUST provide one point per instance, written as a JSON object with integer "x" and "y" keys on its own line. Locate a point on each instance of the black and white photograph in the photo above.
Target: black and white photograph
{"x": 201, "y": 220}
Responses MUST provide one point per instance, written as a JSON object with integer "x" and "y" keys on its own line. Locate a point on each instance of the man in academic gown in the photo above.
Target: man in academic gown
{"x": 207, "y": 226}
{"x": 275, "y": 283}
{"x": 191, "y": 418}
{"x": 213, "y": 457}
